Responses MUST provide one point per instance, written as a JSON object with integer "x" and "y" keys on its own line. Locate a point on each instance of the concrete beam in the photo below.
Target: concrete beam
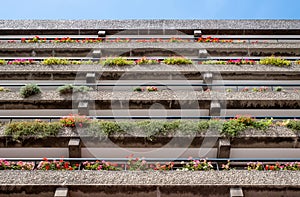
{"x": 236, "y": 192}
{"x": 74, "y": 148}
{"x": 61, "y": 192}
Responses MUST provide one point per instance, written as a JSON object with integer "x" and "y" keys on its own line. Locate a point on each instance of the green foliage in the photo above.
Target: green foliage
{"x": 232, "y": 127}
{"x": 29, "y": 90}
{"x": 275, "y": 62}
{"x": 294, "y": 125}
{"x": 144, "y": 60}
{"x": 216, "y": 62}
{"x": 36, "y": 129}
{"x": 118, "y": 61}
{"x": 177, "y": 61}
{"x": 69, "y": 89}
{"x": 278, "y": 89}
{"x": 55, "y": 61}
{"x": 2, "y": 89}
{"x": 3, "y": 62}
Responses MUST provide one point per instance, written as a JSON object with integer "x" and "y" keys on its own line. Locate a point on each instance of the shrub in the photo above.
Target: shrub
{"x": 214, "y": 62}
{"x": 118, "y": 61}
{"x": 3, "y": 62}
{"x": 74, "y": 120}
{"x": 101, "y": 165}
{"x": 55, "y": 61}
{"x": 294, "y": 125}
{"x": 36, "y": 128}
{"x": 197, "y": 165}
{"x": 149, "y": 89}
{"x": 278, "y": 89}
{"x": 21, "y": 62}
{"x": 275, "y": 61}
{"x": 177, "y": 61}
{"x": 69, "y": 89}
{"x": 56, "y": 165}
{"x": 2, "y": 89}
{"x": 241, "y": 62}
{"x": 144, "y": 60}
{"x": 29, "y": 90}
{"x": 10, "y": 165}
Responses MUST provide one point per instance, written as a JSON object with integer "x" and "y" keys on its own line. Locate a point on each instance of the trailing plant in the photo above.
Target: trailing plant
{"x": 275, "y": 61}
{"x": 69, "y": 89}
{"x": 30, "y": 90}
{"x": 118, "y": 61}
{"x": 177, "y": 61}
{"x": 37, "y": 129}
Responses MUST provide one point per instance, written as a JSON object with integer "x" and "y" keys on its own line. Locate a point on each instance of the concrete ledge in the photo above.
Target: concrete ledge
{"x": 148, "y": 24}
{"x": 234, "y": 178}
{"x": 149, "y": 45}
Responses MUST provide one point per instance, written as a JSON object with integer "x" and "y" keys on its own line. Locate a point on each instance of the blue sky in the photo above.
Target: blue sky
{"x": 150, "y": 9}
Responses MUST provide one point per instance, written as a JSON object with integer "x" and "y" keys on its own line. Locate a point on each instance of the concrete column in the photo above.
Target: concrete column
{"x": 197, "y": 33}
{"x": 224, "y": 148}
{"x": 91, "y": 80}
{"x": 207, "y": 79}
{"x": 215, "y": 108}
{"x": 74, "y": 148}
{"x": 61, "y": 192}
{"x": 96, "y": 54}
{"x": 203, "y": 53}
{"x": 236, "y": 192}
{"x": 101, "y": 34}
{"x": 158, "y": 192}
{"x": 83, "y": 108}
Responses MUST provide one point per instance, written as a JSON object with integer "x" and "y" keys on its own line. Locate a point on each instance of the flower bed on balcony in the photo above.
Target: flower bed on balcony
{"x": 209, "y": 39}
{"x": 150, "y": 129}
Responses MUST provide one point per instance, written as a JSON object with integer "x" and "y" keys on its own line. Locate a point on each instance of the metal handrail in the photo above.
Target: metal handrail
{"x": 153, "y": 84}
{"x": 194, "y": 58}
{"x": 163, "y": 159}
{"x": 146, "y": 117}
